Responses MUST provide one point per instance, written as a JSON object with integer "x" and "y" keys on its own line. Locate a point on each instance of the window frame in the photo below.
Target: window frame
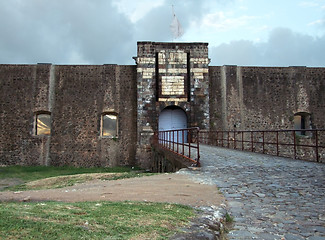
{"x": 302, "y": 123}
{"x": 36, "y": 123}
{"x": 116, "y": 125}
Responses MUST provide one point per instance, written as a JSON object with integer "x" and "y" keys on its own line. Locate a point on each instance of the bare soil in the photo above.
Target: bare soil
{"x": 172, "y": 188}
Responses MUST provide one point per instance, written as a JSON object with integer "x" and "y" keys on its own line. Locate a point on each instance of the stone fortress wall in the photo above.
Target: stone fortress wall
{"x": 75, "y": 97}
{"x": 256, "y": 98}
{"x": 270, "y": 98}
{"x": 78, "y": 97}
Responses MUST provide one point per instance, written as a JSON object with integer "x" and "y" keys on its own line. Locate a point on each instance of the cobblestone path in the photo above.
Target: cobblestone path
{"x": 269, "y": 197}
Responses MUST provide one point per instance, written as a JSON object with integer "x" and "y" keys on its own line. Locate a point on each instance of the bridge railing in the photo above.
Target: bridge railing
{"x": 183, "y": 142}
{"x": 306, "y": 144}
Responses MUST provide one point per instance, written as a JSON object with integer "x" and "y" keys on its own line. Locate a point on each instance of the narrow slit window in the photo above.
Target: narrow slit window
{"x": 109, "y": 125}
{"x": 43, "y": 124}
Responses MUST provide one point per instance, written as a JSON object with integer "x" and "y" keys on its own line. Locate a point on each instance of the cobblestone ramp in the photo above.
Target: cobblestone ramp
{"x": 269, "y": 197}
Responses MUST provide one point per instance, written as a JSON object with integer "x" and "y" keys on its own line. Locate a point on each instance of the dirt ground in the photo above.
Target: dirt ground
{"x": 172, "y": 188}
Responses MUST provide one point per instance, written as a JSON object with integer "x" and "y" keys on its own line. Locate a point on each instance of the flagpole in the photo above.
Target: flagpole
{"x": 175, "y": 26}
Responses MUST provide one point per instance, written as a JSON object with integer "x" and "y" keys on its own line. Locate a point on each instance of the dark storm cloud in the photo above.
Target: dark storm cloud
{"x": 82, "y": 31}
{"x": 64, "y": 31}
{"x": 283, "y": 48}
{"x": 95, "y": 32}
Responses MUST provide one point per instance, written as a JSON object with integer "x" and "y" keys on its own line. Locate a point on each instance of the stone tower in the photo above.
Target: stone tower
{"x": 170, "y": 75}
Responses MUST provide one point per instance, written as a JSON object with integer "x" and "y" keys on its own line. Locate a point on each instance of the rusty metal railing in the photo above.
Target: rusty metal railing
{"x": 183, "y": 142}
{"x": 305, "y": 144}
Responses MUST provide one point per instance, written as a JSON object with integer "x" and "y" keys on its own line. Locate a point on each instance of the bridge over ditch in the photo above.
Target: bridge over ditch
{"x": 270, "y": 197}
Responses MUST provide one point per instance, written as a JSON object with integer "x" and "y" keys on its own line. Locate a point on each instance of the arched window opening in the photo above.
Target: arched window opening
{"x": 301, "y": 122}
{"x": 43, "y": 124}
{"x": 109, "y": 125}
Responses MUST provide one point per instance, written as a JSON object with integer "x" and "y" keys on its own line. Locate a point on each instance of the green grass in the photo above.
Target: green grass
{"x": 91, "y": 220}
{"x": 127, "y": 175}
{"x": 58, "y": 177}
{"x": 229, "y": 218}
{"x": 85, "y": 220}
{"x": 32, "y": 173}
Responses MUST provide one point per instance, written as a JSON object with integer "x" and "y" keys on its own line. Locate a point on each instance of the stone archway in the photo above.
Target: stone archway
{"x": 173, "y": 118}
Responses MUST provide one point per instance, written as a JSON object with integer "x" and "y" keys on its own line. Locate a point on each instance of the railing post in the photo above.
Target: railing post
{"x": 189, "y": 144}
{"x": 173, "y": 139}
{"x": 242, "y": 141}
{"x": 217, "y": 137}
{"x": 316, "y": 143}
{"x": 208, "y": 138}
{"x": 252, "y": 143}
{"x": 222, "y": 139}
{"x": 263, "y": 142}
{"x": 183, "y": 141}
{"x": 294, "y": 143}
{"x": 198, "y": 148}
{"x": 177, "y": 143}
{"x": 277, "y": 143}
{"x": 163, "y": 139}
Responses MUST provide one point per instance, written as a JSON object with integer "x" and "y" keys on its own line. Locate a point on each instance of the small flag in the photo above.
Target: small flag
{"x": 176, "y": 27}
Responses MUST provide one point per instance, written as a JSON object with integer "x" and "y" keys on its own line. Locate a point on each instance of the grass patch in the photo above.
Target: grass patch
{"x": 125, "y": 175}
{"x": 42, "y": 177}
{"x": 229, "y": 218}
{"x": 32, "y": 173}
{"x": 70, "y": 180}
{"x": 91, "y": 220}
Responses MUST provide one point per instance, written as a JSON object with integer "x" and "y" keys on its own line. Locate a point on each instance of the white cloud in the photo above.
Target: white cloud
{"x": 317, "y": 22}
{"x": 135, "y": 10}
{"x": 309, "y": 4}
{"x": 224, "y": 21}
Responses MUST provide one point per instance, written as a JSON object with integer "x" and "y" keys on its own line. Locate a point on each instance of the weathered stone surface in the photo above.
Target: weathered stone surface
{"x": 170, "y": 74}
{"x": 273, "y": 216}
{"x": 76, "y": 97}
{"x": 266, "y": 98}
{"x": 207, "y": 225}
{"x": 166, "y": 74}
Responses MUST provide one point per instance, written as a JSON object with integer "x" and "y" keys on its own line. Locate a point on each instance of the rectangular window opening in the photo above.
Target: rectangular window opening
{"x": 43, "y": 124}
{"x": 109, "y": 125}
{"x": 301, "y": 122}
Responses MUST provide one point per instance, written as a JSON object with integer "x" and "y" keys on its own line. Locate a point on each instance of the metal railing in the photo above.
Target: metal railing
{"x": 305, "y": 144}
{"x": 183, "y": 142}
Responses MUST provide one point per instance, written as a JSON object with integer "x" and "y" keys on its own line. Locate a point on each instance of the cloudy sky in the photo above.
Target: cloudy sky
{"x": 239, "y": 32}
